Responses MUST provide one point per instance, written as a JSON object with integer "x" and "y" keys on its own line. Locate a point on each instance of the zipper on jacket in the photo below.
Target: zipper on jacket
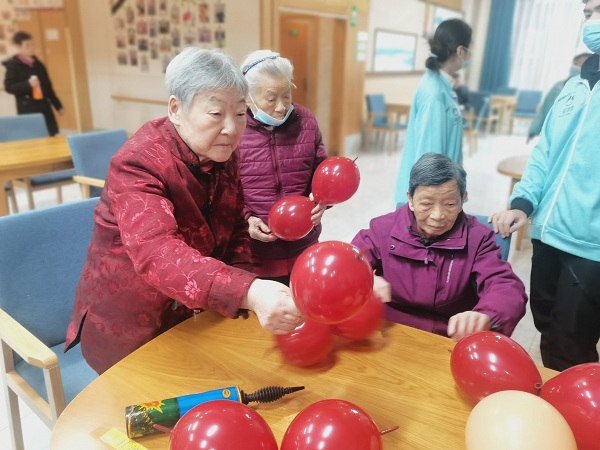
{"x": 575, "y": 141}
{"x": 426, "y": 261}
{"x": 275, "y": 162}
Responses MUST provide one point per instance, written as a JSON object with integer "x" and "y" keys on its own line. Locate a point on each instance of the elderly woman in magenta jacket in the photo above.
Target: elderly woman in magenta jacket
{"x": 279, "y": 152}
{"x": 443, "y": 266}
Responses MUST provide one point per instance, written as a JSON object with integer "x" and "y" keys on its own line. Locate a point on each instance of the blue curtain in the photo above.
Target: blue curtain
{"x": 495, "y": 72}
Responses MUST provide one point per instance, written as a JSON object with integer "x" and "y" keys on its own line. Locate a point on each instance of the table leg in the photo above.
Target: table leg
{"x": 4, "y": 211}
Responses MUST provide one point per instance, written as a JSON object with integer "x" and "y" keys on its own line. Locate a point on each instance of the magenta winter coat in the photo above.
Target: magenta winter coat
{"x": 277, "y": 163}
{"x": 460, "y": 272}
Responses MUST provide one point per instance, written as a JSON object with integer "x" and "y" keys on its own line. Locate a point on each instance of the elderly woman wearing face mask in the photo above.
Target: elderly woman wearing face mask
{"x": 170, "y": 238}
{"x": 444, "y": 267}
{"x": 279, "y": 152}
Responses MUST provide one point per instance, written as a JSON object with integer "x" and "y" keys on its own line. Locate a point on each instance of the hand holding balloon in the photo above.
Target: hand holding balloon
{"x": 466, "y": 323}
{"x": 382, "y": 289}
{"x": 317, "y": 212}
{"x": 259, "y": 230}
{"x": 273, "y": 305}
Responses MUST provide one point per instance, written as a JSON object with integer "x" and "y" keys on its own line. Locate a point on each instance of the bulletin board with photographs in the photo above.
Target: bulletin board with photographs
{"x": 7, "y": 29}
{"x": 149, "y": 33}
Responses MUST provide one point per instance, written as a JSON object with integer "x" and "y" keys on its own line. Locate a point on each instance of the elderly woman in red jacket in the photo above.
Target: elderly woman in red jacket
{"x": 444, "y": 267}
{"x": 170, "y": 238}
{"x": 279, "y": 153}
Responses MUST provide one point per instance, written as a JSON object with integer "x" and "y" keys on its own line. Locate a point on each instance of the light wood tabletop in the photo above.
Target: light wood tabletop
{"x": 400, "y": 376}
{"x": 29, "y": 157}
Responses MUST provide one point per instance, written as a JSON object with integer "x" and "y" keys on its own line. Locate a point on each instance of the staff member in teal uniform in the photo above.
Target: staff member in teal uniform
{"x": 435, "y": 123}
{"x": 559, "y": 191}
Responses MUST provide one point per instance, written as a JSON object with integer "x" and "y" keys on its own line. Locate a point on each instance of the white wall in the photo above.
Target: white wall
{"x": 107, "y": 78}
{"x": 408, "y": 16}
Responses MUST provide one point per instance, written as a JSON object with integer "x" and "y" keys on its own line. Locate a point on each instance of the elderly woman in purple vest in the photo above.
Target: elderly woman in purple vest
{"x": 279, "y": 152}
{"x": 443, "y": 266}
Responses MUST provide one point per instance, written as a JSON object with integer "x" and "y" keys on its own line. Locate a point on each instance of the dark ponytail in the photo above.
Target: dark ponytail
{"x": 449, "y": 35}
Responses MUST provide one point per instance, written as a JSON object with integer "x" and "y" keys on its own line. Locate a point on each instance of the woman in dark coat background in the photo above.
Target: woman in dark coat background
{"x": 20, "y": 80}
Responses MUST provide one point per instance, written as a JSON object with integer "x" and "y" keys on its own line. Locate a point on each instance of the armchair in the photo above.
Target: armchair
{"x": 92, "y": 153}
{"x": 383, "y": 119}
{"x": 527, "y": 105}
{"x": 41, "y": 256}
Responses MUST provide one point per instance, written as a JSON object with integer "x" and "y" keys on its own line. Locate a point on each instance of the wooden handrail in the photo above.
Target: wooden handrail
{"x": 124, "y": 98}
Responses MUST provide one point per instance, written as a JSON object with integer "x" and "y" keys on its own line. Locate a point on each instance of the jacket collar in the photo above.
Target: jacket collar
{"x": 405, "y": 230}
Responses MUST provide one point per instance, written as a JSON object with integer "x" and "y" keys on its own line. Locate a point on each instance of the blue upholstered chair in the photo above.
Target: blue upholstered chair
{"x": 503, "y": 243}
{"x": 382, "y": 121}
{"x": 473, "y": 121}
{"x": 92, "y": 153}
{"x": 505, "y": 90}
{"x": 41, "y": 257}
{"x": 527, "y": 105}
{"x": 481, "y": 109}
{"x": 31, "y": 126}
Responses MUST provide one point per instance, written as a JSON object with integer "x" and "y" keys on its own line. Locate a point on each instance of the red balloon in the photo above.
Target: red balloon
{"x": 363, "y": 324}
{"x": 332, "y": 425}
{"x": 335, "y": 180}
{"x": 308, "y": 344}
{"x": 289, "y": 218}
{"x": 222, "y": 424}
{"x": 575, "y": 393}
{"x": 331, "y": 281}
{"x": 487, "y": 362}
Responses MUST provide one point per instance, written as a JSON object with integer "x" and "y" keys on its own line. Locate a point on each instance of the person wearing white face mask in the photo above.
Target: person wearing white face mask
{"x": 559, "y": 190}
{"x": 536, "y": 125}
{"x": 435, "y": 123}
{"x": 279, "y": 153}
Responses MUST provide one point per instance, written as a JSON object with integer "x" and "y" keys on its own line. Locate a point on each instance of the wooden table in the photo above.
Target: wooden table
{"x": 29, "y": 157}
{"x": 401, "y": 376}
{"x": 514, "y": 168}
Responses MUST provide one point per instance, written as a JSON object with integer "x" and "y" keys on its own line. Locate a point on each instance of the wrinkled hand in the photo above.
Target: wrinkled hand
{"x": 382, "y": 289}
{"x": 317, "y": 212}
{"x": 507, "y": 222}
{"x": 34, "y": 81}
{"x": 468, "y": 322}
{"x": 273, "y": 305}
{"x": 259, "y": 230}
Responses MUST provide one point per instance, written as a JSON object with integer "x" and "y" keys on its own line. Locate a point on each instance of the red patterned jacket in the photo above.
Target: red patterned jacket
{"x": 169, "y": 237}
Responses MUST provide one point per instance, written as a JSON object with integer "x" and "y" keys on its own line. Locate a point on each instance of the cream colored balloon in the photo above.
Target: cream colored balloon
{"x": 516, "y": 420}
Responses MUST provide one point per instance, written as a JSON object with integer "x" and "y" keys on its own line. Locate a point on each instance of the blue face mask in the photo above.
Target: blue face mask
{"x": 265, "y": 118}
{"x": 591, "y": 35}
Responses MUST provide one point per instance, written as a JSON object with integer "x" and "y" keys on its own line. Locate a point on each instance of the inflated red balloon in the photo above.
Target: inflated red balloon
{"x": 363, "y": 324}
{"x": 575, "y": 393}
{"x": 335, "y": 180}
{"x": 332, "y": 425}
{"x": 222, "y": 424}
{"x": 487, "y": 362}
{"x": 308, "y": 344}
{"x": 331, "y": 281}
{"x": 289, "y": 218}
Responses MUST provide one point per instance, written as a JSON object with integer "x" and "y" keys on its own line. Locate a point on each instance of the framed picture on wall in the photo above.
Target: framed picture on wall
{"x": 394, "y": 51}
{"x": 440, "y": 14}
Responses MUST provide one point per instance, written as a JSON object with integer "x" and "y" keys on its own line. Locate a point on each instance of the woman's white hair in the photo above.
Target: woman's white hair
{"x": 261, "y": 63}
{"x": 197, "y": 70}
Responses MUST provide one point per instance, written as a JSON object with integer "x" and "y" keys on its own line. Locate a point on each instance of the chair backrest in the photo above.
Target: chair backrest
{"x": 503, "y": 243}
{"x": 93, "y": 151}
{"x": 528, "y": 101}
{"x": 376, "y": 104}
{"x": 505, "y": 90}
{"x": 41, "y": 256}
{"x": 24, "y": 126}
{"x": 480, "y": 102}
